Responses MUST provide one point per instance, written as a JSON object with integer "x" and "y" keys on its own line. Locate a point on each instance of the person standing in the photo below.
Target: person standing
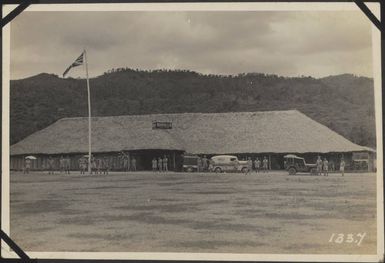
{"x": 51, "y": 163}
{"x": 332, "y": 166}
{"x": 211, "y": 165}
{"x": 61, "y": 164}
{"x": 93, "y": 165}
{"x": 326, "y": 167}
{"x": 133, "y": 164}
{"x": 204, "y": 163}
{"x": 27, "y": 165}
{"x": 154, "y": 164}
{"x": 160, "y": 164}
{"x": 257, "y": 164}
{"x": 319, "y": 165}
{"x": 126, "y": 161}
{"x": 265, "y": 163}
{"x": 165, "y": 163}
{"x": 99, "y": 166}
{"x": 67, "y": 165}
{"x": 106, "y": 165}
{"x": 125, "y": 164}
{"x": 82, "y": 165}
{"x": 200, "y": 164}
{"x": 249, "y": 165}
{"x": 342, "y": 166}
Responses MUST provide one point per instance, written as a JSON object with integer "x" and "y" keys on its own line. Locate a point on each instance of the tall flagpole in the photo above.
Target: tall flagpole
{"x": 89, "y": 114}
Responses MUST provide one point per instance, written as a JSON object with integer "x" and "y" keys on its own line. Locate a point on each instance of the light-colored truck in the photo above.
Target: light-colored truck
{"x": 228, "y": 163}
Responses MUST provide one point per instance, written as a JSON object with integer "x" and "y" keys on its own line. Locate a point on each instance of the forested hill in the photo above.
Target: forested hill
{"x": 344, "y": 103}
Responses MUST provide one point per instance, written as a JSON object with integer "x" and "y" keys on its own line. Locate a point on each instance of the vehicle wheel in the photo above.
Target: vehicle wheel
{"x": 189, "y": 170}
{"x": 244, "y": 170}
{"x": 218, "y": 170}
{"x": 313, "y": 171}
{"x": 292, "y": 171}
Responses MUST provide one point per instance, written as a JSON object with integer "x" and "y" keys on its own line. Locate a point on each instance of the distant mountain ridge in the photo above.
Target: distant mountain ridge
{"x": 344, "y": 103}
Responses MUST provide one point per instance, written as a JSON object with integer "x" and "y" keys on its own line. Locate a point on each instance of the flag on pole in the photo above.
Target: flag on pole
{"x": 78, "y": 62}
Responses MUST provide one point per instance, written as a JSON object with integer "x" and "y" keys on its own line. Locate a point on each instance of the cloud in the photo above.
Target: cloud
{"x": 283, "y": 43}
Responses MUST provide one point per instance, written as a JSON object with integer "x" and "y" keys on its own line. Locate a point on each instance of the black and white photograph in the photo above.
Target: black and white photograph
{"x": 200, "y": 131}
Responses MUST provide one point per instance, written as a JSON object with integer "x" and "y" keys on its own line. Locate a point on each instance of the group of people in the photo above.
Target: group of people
{"x": 258, "y": 165}
{"x": 160, "y": 164}
{"x": 323, "y": 166}
{"x": 98, "y": 166}
{"x": 129, "y": 164}
{"x": 64, "y": 165}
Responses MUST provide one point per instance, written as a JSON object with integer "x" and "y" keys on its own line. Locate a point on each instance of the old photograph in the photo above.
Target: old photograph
{"x": 195, "y": 131}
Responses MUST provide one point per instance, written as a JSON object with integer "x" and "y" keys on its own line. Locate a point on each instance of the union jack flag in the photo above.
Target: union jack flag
{"x": 78, "y": 62}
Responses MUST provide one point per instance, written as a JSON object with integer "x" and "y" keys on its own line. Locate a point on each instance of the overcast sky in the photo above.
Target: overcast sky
{"x": 284, "y": 43}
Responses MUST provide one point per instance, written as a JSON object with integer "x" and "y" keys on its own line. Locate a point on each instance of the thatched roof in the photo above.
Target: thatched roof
{"x": 199, "y": 133}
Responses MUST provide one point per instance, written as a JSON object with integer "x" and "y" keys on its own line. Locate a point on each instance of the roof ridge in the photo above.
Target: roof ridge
{"x": 184, "y": 113}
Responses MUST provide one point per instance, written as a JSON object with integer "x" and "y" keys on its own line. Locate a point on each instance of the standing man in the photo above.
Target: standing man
{"x": 257, "y": 164}
{"x": 82, "y": 165}
{"x": 67, "y": 165}
{"x": 106, "y": 165}
{"x": 165, "y": 163}
{"x": 154, "y": 164}
{"x": 249, "y": 165}
{"x": 93, "y": 164}
{"x": 133, "y": 164}
{"x": 27, "y": 165}
{"x": 265, "y": 163}
{"x": 204, "y": 163}
{"x": 211, "y": 165}
{"x": 326, "y": 167}
{"x": 99, "y": 166}
{"x": 126, "y": 161}
{"x": 199, "y": 164}
{"x": 332, "y": 166}
{"x": 160, "y": 164}
{"x": 342, "y": 166}
{"x": 319, "y": 165}
{"x": 61, "y": 164}
{"x": 51, "y": 163}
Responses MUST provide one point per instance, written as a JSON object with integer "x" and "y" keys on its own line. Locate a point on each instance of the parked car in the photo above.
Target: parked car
{"x": 228, "y": 163}
{"x": 360, "y": 164}
{"x": 294, "y": 164}
{"x": 190, "y": 163}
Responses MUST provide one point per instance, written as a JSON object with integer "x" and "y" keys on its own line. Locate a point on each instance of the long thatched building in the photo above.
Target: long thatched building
{"x": 251, "y": 134}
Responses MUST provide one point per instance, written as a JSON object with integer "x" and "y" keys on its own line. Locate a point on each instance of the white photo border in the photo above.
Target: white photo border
{"x": 196, "y": 6}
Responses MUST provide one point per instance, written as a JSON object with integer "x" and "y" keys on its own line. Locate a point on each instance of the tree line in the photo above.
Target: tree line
{"x": 344, "y": 103}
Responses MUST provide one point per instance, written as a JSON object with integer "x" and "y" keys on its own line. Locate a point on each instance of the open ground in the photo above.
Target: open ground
{"x": 193, "y": 212}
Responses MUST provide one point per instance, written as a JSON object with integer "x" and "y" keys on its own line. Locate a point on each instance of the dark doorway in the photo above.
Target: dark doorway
{"x": 144, "y": 158}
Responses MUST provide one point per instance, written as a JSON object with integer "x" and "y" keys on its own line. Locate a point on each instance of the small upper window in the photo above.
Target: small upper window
{"x": 161, "y": 125}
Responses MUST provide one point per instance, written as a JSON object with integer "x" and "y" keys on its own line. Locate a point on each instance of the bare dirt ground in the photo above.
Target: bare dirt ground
{"x": 181, "y": 212}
